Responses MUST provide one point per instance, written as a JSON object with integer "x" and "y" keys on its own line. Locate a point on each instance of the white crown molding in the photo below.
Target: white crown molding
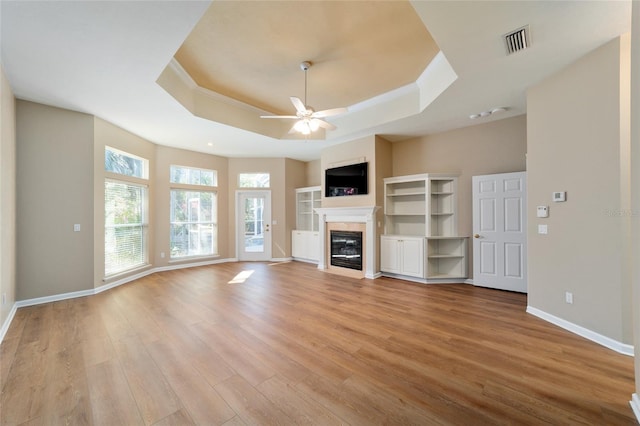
{"x": 605, "y": 341}
{"x": 191, "y": 84}
{"x": 411, "y": 88}
{"x": 396, "y": 104}
{"x": 182, "y": 74}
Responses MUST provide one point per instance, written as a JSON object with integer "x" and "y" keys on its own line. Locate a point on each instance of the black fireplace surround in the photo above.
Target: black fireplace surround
{"x": 346, "y": 249}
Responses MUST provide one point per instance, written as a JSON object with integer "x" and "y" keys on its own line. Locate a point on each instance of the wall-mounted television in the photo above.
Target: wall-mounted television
{"x": 346, "y": 180}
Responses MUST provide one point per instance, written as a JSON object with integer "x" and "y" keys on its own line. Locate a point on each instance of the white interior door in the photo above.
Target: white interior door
{"x": 500, "y": 231}
{"x": 253, "y": 225}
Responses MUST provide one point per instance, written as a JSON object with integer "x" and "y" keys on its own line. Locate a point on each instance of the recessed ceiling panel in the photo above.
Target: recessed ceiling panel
{"x": 251, "y": 51}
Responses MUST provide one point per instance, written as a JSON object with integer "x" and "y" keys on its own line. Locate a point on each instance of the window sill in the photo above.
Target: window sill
{"x": 192, "y": 258}
{"x": 128, "y": 272}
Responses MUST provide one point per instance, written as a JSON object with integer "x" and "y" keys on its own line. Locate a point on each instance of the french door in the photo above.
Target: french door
{"x": 500, "y": 231}
{"x": 253, "y": 225}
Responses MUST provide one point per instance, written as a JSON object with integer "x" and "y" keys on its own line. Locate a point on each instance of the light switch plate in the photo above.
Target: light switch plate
{"x": 542, "y": 211}
{"x": 543, "y": 229}
{"x": 76, "y": 227}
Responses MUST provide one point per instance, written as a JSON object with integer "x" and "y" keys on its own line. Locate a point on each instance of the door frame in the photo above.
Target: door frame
{"x": 240, "y": 194}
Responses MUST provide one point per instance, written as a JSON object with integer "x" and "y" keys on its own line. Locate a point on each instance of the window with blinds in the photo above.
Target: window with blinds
{"x": 125, "y": 211}
{"x": 125, "y": 226}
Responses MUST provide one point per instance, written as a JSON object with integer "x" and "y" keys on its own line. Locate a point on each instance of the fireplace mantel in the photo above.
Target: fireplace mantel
{"x": 366, "y": 215}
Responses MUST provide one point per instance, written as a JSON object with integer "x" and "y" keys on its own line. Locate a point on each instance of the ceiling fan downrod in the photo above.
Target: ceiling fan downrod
{"x": 304, "y": 66}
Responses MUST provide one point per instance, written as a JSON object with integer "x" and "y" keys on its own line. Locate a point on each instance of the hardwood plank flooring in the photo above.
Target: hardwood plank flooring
{"x": 289, "y": 344}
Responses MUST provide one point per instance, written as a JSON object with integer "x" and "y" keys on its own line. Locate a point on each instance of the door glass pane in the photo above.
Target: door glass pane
{"x": 253, "y": 225}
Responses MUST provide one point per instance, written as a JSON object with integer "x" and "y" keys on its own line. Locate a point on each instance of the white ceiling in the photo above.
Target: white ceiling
{"x": 104, "y": 58}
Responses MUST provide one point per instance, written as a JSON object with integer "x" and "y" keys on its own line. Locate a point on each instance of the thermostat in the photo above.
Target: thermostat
{"x": 559, "y": 196}
{"x": 542, "y": 211}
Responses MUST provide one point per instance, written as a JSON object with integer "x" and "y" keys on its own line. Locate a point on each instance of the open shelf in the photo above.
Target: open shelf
{"x": 307, "y": 199}
{"x": 425, "y": 205}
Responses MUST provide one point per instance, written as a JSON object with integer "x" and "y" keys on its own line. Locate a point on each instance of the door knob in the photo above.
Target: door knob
{"x": 476, "y": 236}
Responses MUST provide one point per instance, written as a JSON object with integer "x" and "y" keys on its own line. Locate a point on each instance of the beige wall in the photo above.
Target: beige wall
{"x": 313, "y": 173}
{"x": 55, "y": 183}
{"x": 166, "y": 157}
{"x": 635, "y": 179}
{"x": 107, "y": 134}
{"x": 574, "y": 145}
{"x": 8, "y": 197}
{"x": 495, "y": 147}
{"x": 383, "y": 169}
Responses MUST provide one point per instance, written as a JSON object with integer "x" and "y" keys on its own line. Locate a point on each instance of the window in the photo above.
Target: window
{"x": 194, "y": 229}
{"x": 194, "y": 212}
{"x": 120, "y": 162}
{"x": 125, "y": 212}
{"x": 254, "y": 180}
{"x": 193, "y": 176}
{"x": 125, "y": 226}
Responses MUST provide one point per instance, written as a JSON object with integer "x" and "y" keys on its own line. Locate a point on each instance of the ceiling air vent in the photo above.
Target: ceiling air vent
{"x": 517, "y": 40}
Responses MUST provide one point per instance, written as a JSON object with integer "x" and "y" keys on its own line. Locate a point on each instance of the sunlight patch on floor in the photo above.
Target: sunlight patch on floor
{"x": 241, "y": 277}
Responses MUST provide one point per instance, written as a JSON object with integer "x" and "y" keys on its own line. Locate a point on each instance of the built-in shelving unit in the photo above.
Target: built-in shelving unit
{"x": 420, "y": 238}
{"x": 305, "y": 238}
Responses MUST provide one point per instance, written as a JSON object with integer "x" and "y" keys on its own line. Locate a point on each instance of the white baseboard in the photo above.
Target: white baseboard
{"x": 55, "y": 298}
{"x": 7, "y": 322}
{"x": 91, "y": 292}
{"x": 192, "y": 265}
{"x": 281, "y": 259}
{"x": 605, "y": 341}
{"x": 635, "y": 405}
{"x": 301, "y": 259}
{"x": 423, "y": 280}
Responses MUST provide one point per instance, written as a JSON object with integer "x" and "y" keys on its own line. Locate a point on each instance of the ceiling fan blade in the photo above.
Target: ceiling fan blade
{"x": 279, "y": 116}
{"x": 324, "y": 124}
{"x": 297, "y": 103}
{"x": 328, "y": 112}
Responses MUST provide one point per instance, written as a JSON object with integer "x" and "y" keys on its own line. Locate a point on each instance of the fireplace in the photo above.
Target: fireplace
{"x": 353, "y": 219}
{"x": 346, "y": 249}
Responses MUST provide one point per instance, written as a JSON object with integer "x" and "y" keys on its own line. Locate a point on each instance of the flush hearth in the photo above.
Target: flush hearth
{"x": 346, "y": 249}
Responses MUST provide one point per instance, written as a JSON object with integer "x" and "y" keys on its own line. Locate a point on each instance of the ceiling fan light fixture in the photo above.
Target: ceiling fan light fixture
{"x": 303, "y": 127}
{"x": 308, "y": 120}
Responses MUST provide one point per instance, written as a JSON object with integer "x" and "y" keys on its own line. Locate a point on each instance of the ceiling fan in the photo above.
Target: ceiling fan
{"x": 308, "y": 119}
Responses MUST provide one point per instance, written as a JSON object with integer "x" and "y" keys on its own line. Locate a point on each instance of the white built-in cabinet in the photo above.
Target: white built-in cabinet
{"x": 402, "y": 255}
{"x": 305, "y": 239}
{"x": 421, "y": 228}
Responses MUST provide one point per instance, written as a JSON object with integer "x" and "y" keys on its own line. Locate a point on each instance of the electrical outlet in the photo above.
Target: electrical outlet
{"x": 568, "y": 297}
{"x": 162, "y": 254}
{"x": 76, "y": 227}
{"x": 4, "y": 298}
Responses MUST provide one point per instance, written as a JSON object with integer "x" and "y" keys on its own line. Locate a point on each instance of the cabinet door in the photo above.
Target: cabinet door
{"x": 389, "y": 255}
{"x": 313, "y": 248}
{"x": 298, "y": 244}
{"x": 412, "y": 257}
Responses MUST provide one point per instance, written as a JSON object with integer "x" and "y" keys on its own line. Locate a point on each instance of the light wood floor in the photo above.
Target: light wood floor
{"x": 293, "y": 345}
